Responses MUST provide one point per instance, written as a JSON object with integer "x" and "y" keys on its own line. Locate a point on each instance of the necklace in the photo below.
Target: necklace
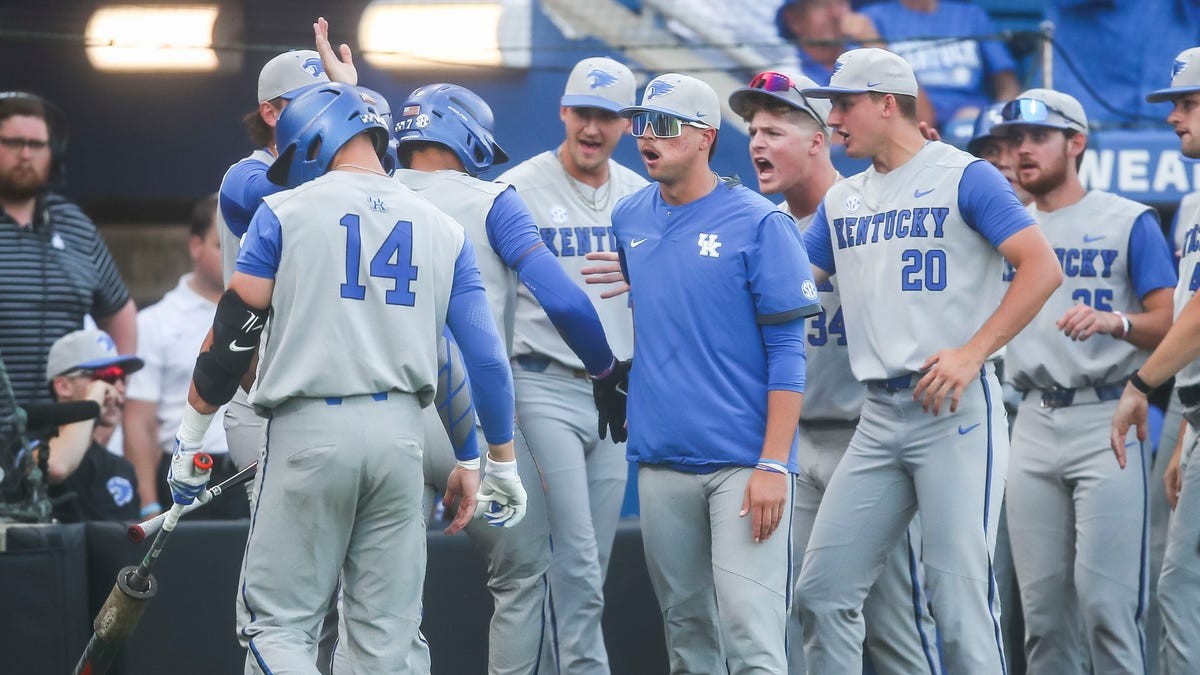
{"x": 594, "y": 202}
{"x": 361, "y": 168}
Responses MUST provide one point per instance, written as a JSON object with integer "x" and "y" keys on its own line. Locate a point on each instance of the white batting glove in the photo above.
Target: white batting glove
{"x": 501, "y": 495}
{"x": 187, "y": 475}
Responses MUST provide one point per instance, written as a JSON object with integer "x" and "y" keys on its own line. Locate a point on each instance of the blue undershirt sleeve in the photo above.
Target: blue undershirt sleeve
{"x": 243, "y": 189}
{"x": 786, "y": 360}
{"x": 261, "y": 251}
{"x": 989, "y": 205}
{"x": 453, "y": 399}
{"x": 817, "y": 242}
{"x": 1151, "y": 264}
{"x": 470, "y": 320}
{"x": 515, "y": 238}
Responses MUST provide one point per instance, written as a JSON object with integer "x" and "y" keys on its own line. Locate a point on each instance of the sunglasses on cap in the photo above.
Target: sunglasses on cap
{"x": 662, "y": 124}
{"x": 109, "y": 374}
{"x": 1033, "y": 111}
{"x": 778, "y": 83}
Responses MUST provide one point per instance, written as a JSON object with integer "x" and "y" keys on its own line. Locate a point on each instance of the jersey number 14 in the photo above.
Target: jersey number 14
{"x": 397, "y": 246}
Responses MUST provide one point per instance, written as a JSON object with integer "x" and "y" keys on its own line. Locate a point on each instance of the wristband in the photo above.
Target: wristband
{"x": 1138, "y": 383}
{"x": 1126, "y": 324}
{"x": 469, "y": 464}
{"x": 771, "y": 466}
{"x": 607, "y": 371}
{"x": 152, "y": 507}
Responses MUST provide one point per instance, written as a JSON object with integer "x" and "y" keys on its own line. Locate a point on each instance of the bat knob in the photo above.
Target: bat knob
{"x": 136, "y": 534}
{"x": 203, "y": 461}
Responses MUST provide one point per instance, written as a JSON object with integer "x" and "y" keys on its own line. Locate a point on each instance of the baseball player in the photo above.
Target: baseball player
{"x": 720, "y": 290}
{"x": 996, "y": 149}
{"x": 445, "y": 139}
{"x": 1070, "y": 514}
{"x": 924, "y": 233}
{"x": 571, "y": 191}
{"x": 1179, "y": 583}
{"x": 342, "y": 495}
{"x": 789, "y": 146}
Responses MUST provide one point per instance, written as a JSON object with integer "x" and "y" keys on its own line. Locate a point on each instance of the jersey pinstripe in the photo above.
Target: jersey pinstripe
{"x": 310, "y": 316}
{"x": 1091, "y": 238}
{"x": 570, "y": 229}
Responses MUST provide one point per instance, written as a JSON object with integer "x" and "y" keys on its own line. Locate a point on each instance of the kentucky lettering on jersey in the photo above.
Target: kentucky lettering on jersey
{"x": 919, "y": 222}
{"x": 1189, "y": 278}
{"x": 578, "y": 241}
{"x": 1107, "y": 279}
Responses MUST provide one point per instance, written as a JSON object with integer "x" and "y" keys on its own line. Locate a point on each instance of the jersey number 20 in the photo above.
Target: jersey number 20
{"x": 397, "y": 246}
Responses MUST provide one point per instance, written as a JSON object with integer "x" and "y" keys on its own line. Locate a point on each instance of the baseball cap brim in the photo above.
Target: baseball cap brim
{"x": 829, "y": 92}
{"x": 131, "y": 364}
{"x": 584, "y": 101}
{"x": 632, "y": 110}
{"x": 1169, "y": 93}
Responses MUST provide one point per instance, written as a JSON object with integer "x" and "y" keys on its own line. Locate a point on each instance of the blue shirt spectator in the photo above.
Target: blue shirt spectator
{"x": 960, "y": 76}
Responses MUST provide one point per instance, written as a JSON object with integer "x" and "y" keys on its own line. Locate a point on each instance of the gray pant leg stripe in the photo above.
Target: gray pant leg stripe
{"x": 917, "y": 596}
{"x": 987, "y": 504}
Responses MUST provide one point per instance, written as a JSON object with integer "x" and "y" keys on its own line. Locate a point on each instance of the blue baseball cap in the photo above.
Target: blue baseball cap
{"x": 988, "y": 119}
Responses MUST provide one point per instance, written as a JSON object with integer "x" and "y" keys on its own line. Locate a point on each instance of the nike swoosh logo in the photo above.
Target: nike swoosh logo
{"x": 235, "y": 347}
{"x": 1088, "y": 239}
{"x": 963, "y": 431}
{"x": 874, "y": 84}
{"x": 917, "y": 194}
{"x": 637, "y": 242}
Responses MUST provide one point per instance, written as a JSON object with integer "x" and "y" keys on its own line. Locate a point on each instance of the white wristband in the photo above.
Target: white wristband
{"x": 1126, "y": 325}
{"x": 469, "y": 464}
{"x": 498, "y": 469}
{"x": 193, "y": 426}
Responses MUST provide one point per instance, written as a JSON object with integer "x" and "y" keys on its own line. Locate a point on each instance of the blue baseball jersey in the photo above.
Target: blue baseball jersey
{"x": 953, "y": 72}
{"x": 918, "y": 245}
{"x": 721, "y": 287}
{"x": 242, "y": 190}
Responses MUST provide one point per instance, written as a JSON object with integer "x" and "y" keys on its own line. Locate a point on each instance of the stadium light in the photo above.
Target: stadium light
{"x": 142, "y": 38}
{"x": 421, "y": 34}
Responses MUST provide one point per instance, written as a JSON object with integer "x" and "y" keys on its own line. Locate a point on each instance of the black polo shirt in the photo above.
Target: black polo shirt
{"x": 104, "y": 487}
{"x": 52, "y": 273}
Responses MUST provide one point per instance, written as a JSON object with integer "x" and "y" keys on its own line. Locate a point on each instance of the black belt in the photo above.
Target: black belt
{"x": 1061, "y": 397}
{"x": 1189, "y": 396}
{"x": 896, "y": 383}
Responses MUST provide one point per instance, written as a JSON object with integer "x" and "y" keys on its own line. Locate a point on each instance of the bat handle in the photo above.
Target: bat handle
{"x": 172, "y": 517}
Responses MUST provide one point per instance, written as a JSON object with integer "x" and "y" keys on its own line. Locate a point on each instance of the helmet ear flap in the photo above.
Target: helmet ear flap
{"x": 280, "y": 168}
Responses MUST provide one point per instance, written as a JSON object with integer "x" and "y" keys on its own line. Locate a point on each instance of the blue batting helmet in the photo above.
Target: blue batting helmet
{"x": 316, "y": 124}
{"x": 390, "y": 163}
{"x": 455, "y": 117}
{"x": 988, "y": 118}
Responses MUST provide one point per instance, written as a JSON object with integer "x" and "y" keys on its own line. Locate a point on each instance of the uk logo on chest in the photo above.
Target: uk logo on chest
{"x": 709, "y": 245}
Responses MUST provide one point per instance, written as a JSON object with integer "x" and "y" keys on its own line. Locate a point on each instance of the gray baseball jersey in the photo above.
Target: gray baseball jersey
{"x": 914, "y": 257}
{"x": 468, "y": 200}
{"x": 556, "y": 407}
{"x": 303, "y": 332}
{"x": 1092, "y": 238}
{"x": 1188, "y": 244}
{"x": 838, "y": 396}
{"x": 571, "y": 228}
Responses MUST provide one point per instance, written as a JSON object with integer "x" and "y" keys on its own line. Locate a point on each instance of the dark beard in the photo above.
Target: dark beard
{"x": 22, "y": 183}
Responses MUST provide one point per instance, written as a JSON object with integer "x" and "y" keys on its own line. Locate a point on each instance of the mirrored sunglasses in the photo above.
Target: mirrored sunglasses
{"x": 778, "y": 83}
{"x": 662, "y": 124}
{"x": 1033, "y": 111}
{"x": 109, "y": 374}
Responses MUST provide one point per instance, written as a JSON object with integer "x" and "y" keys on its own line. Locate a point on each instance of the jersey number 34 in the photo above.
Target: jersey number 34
{"x": 397, "y": 246}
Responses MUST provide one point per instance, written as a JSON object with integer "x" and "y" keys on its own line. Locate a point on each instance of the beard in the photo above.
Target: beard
{"x": 24, "y": 181}
{"x": 1048, "y": 178}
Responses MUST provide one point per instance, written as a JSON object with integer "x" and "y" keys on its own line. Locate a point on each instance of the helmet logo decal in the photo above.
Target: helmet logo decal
{"x": 598, "y": 78}
{"x": 659, "y": 88}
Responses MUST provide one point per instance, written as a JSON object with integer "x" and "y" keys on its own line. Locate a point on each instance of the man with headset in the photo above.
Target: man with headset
{"x": 54, "y": 267}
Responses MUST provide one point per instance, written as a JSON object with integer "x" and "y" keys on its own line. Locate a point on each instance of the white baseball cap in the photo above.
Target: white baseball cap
{"x": 87, "y": 350}
{"x": 859, "y": 71}
{"x": 1043, "y": 108}
{"x": 784, "y": 86}
{"x": 680, "y": 96}
{"x": 285, "y": 75}
{"x": 1185, "y": 77}
{"x": 600, "y": 82}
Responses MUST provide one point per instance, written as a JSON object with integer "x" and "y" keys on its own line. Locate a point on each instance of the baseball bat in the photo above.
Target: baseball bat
{"x": 141, "y": 531}
{"x": 127, "y": 600}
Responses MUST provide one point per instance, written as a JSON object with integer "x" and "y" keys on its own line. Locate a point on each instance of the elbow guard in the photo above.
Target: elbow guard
{"x": 237, "y": 329}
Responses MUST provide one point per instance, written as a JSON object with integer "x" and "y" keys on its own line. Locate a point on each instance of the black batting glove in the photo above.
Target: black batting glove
{"x": 610, "y": 393}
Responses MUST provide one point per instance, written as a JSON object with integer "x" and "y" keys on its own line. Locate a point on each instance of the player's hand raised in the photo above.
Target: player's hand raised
{"x": 462, "y": 489}
{"x": 338, "y": 69}
{"x": 765, "y": 500}
{"x": 1131, "y": 410}
{"x": 947, "y": 373}
{"x": 608, "y": 273}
